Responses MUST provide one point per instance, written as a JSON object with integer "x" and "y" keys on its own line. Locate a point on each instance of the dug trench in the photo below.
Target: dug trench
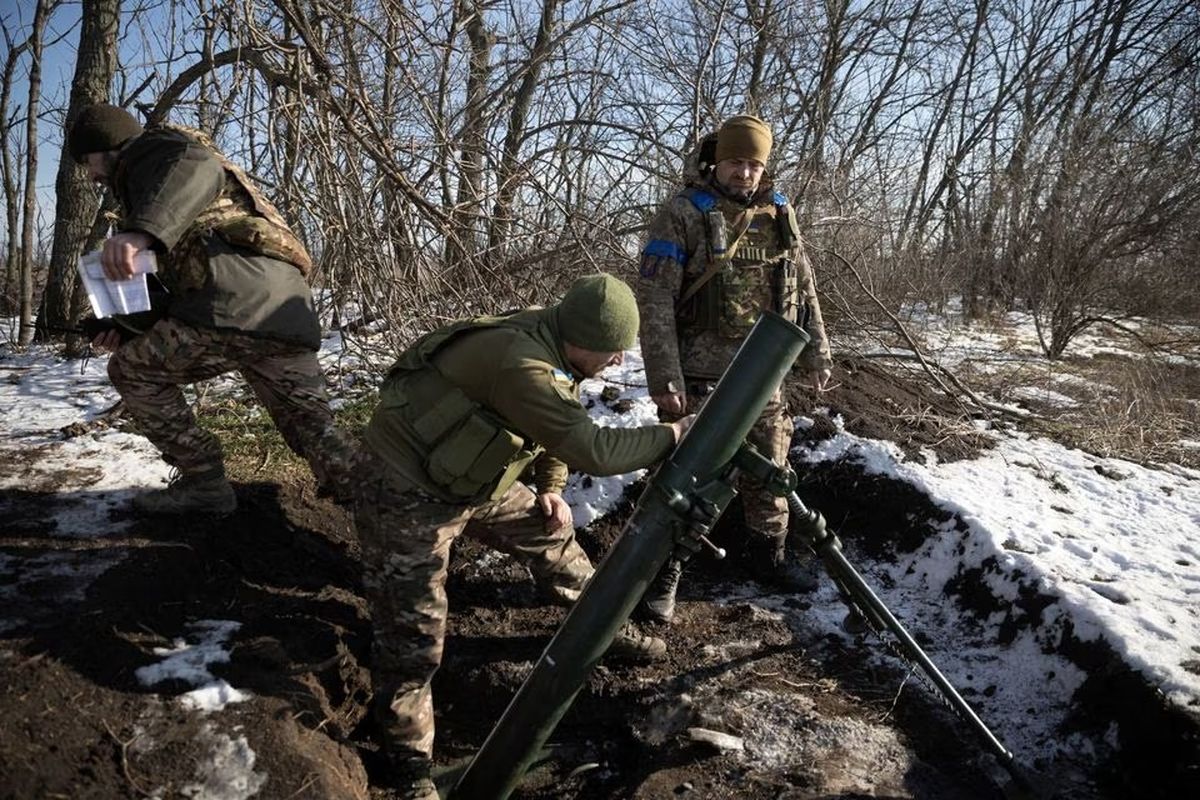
{"x": 814, "y": 715}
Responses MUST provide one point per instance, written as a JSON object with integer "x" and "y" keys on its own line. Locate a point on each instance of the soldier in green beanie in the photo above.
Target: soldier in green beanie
{"x": 465, "y": 413}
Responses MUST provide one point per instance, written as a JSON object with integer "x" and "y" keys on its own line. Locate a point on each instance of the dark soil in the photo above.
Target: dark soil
{"x": 78, "y": 724}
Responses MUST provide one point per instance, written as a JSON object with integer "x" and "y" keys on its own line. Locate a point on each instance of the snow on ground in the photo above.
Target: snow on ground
{"x": 592, "y": 496}
{"x": 1114, "y": 542}
{"x": 949, "y": 339}
{"x": 39, "y": 396}
{"x": 189, "y": 663}
{"x": 227, "y": 774}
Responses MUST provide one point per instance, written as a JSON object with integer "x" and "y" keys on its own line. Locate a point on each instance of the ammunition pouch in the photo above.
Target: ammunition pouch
{"x": 757, "y": 273}
{"x": 466, "y": 452}
{"x": 785, "y": 294}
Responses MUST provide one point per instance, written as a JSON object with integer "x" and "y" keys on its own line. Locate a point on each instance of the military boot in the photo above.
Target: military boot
{"x": 631, "y": 644}
{"x": 658, "y": 603}
{"x": 563, "y": 596}
{"x": 411, "y": 779}
{"x": 206, "y": 492}
{"x": 770, "y": 563}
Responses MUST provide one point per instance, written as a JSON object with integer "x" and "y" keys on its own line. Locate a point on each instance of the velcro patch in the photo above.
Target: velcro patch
{"x": 564, "y": 386}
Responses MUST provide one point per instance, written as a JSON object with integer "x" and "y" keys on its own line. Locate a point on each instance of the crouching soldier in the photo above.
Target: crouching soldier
{"x": 238, "y": 300}
{"x": 462, "y": 415}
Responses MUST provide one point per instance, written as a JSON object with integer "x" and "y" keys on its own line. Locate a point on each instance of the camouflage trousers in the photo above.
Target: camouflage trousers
{"x": 765, "y": 513}
{"x": 405, "y": 537}
{"x": 149, "y": 371}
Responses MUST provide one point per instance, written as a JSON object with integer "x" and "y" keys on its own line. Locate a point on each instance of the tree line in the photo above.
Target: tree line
{"x": 441, "y": 157}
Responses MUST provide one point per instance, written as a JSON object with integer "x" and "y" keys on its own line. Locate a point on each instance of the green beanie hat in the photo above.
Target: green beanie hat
{"x": 744, "y": 137}
{"x": 100, "y": 128}
{"x": 600, "y": 313}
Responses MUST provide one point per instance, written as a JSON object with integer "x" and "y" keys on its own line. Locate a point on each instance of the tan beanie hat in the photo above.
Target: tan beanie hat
{"x": 744, "y": 136}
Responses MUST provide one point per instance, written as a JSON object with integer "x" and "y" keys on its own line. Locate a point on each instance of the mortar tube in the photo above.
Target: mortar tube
{"x": 700, "y": 460}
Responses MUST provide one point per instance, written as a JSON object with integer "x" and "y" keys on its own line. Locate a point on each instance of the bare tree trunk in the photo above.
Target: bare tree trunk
{"x": 76, "y": 201}
{"x": 822, "y": 106}
{"x": 40, "y": 15}
{"x": 12, "y": 209}
{"x": 759, "y": 13}
{"x": 912, "y": 227}
{"x": 469, "y": 201}
{"x": 508, "y": 174}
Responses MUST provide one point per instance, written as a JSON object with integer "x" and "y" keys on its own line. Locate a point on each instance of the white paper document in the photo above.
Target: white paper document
{"x": 110, "y": 297}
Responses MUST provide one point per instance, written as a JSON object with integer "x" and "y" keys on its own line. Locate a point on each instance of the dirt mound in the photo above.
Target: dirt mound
{"x": 897, "y": 404}
{"x": 87, "y": 727}
{"x": 753, "y": 701}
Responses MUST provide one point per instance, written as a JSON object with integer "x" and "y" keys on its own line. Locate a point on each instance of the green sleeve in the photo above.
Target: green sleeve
{"x": 549, "y": 474}
{"x": 164, "y": 181}
{"x": 527, "y": 395}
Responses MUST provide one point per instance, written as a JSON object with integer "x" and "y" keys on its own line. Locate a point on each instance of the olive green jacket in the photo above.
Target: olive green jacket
{"x": 164, "y": 180}
{"x": 514, "y": 370}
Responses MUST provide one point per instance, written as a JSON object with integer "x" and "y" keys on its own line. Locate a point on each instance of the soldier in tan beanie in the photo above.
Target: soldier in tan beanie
{"x": 718, "y": 253}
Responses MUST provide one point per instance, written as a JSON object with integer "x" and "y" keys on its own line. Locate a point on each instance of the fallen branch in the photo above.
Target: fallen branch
{"x": 931, "y": 368}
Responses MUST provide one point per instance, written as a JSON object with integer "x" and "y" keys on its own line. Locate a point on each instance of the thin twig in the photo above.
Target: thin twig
{"x": 125, "y": 768}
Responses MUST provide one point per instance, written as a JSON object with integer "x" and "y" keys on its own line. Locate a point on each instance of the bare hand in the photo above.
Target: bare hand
{"x": 119, "y": 252}
{"x": 681, "y": 426}
{"x": 558, "y": 513}
{"x": 106, "y": 342}
{"x": 671, "y": 402}
{"x": 819, "y": 379}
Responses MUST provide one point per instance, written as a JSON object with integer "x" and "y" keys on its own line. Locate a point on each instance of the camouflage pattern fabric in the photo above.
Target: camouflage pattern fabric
{"x": 765, "y": 513}
{"x": 406, "y": 536}
{"x": 699, "y": 338}
{"x": 183, "y": 194}
{"x": 286, "y": 378}
{"x": 242, "y": 215}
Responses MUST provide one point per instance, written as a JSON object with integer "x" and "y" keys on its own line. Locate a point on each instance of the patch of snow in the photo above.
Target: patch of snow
{"x": 228, "y": 774}
{"x": 189, "y": 663}
{"x": 589, "y": 496}
{"x": 1048, "y": 397}
{"x": 1112, "y": 540}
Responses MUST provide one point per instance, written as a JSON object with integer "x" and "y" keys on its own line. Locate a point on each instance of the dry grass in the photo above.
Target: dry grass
{"x": 1137, "y": 408}
{"x": 254, "y": 450}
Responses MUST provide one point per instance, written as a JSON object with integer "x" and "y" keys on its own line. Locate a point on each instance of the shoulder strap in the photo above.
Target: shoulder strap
{"x": 422, "y": 351}
{"x": 702, "y": 199}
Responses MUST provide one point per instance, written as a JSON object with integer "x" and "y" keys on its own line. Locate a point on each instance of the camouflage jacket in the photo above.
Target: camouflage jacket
{"x": 468, "y": 407}
{"x": 691, "y": 330}
{"x": 225, "y": 255}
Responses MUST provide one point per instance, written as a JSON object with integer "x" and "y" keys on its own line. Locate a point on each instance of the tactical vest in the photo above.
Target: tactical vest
{"x": 469, "y": 453}
{"x": 749, "y": 266}
{"x": 240, "y": 214}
